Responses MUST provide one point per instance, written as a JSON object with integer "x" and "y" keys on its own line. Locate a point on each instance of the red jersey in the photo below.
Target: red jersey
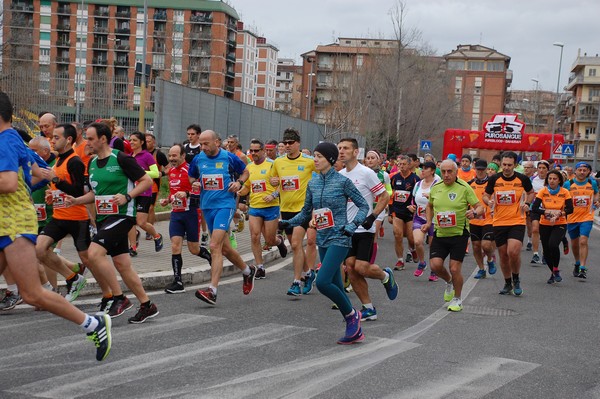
{"x": 179, "y": 181}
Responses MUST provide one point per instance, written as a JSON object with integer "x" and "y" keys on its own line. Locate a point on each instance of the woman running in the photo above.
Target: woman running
{"x": 373, "y": 161}
{"x": 325, "y": 203}
{"x": 553, "y": 203}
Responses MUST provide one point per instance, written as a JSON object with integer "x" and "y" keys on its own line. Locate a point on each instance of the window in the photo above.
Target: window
{"x": 456, "y": 65}
{"x": 476, "y": 104}
{"x": 594, "y": 95}
{"x": 589, "y": 130}
{"x": 495, "y": 66}
{"x": 588, "y": 150}
{"x": 476, "y": 66}
{"x": 475, "y": 122}
{"x": 359, "y": 60}
{"x": 592, "y": 72}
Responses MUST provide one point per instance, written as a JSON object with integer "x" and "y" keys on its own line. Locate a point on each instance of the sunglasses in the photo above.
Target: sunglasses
{"x": 289, "y": 142}
{"x": 254, "y": 151}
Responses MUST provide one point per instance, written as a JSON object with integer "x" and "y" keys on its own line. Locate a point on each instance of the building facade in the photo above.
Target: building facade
{"x": 583, "y": 104}
{"x": 534, "y": 107}
{"x": 245, "y": 65}
{"x": 479, "y": 80}
{"x": 288, "y": 87}
{"x": 90, "y": 52}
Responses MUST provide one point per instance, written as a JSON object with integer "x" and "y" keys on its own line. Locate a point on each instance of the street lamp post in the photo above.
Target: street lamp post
{"x": 142, "y": 116}
{"x": 309, "y": 92}
{"x": 78, "y": 65}
{"x": 561, "y": 45}
{"x": 536, "y": 104}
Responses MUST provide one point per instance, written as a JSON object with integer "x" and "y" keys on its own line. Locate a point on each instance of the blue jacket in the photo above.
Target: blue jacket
{"x": 332, "y": 191}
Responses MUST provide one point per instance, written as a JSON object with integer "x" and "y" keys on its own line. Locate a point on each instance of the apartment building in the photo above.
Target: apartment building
{"x": 266, "y": 76}
{"x": 534, "y": 107}
{"x": 91, "y": 52}
{"x": 584, "y": 103}
{"x": 478, "y": 79}
{"x": 288, "y": 88}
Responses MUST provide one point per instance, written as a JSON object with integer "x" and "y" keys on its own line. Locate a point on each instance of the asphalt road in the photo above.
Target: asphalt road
{"x": 270, "y": 345}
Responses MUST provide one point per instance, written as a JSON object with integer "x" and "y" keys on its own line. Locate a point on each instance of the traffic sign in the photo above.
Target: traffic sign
{"x": 425, "y": 145}
{"x": 558, "y": 149}
{"x": 568, "y": 150}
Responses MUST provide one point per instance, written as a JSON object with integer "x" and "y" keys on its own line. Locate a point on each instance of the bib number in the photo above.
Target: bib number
{"x": 581, "y": 201}
{"x": 258, "y": 186}
{"x": 179, "y": 204}
{"x": 401, "y": 196}
{"x": 506, "y": 197}
{"x": 105, "y": 205}
{"x": 40, "y": 209}
{"x": 323, "y": 219}
{"x": 212, "y": 182}
{"x": 446, "y": 219}
{"x": 58, "y": 199}
{"x": 290, "y": 183}
{"x": 421, "y": 211}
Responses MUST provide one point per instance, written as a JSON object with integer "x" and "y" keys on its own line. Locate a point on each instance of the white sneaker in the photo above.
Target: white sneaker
{"x": 455, "y": 305}
{"x": 449, "y": 292}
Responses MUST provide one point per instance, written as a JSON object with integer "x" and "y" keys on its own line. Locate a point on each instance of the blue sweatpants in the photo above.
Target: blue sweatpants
{"x": 329, "y": 280}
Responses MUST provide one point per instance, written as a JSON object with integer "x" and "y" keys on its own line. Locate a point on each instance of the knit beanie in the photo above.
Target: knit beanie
{"x": 329, "y": 151}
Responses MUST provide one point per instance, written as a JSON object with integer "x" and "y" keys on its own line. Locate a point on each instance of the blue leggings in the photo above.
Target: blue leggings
{"x": 329, "y": 279}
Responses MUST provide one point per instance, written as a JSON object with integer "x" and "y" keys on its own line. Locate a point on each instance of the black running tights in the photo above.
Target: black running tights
{"x": 551, "y": 237}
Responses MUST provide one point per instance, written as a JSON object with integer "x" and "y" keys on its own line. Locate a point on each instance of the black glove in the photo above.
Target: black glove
{"x": 368, "y": 223}
{"x": 283, "y": 224}
{"x": 349, "y": 229}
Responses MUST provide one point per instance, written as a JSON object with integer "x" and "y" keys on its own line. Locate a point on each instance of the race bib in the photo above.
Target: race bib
{"x": 105, "y": 205}
{"x": 258, "y": 186}
{"x": 446, "y": 219}
{"x": 212, "y": 182}
{"x": 401, "y": 196}
{"x": 40, "y": 209}
{"x": 58, "y": 199}
{"x": 323, "y": 218}
{"x": 421, "y": 211}
{"x": 582, "y": 201}
{"x": 506, "y": 197}
{"x": 290, "y": 183}
{"x": 179, "y": 204}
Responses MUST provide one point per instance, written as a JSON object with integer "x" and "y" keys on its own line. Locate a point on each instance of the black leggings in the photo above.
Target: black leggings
{"x": 551, "y": 237}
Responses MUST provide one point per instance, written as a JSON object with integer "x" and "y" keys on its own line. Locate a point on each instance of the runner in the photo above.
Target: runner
{"x": 161, "y": 162}
{"x": 373, "y": 161}
{"x": 271, "y": 149}
{"x": 509, "y": 194}
{"x": 18, "y": 228}
{"x": 327, "y": 196}
{"x": 481, "y": 228}
{"x": 403, "y": 183}
{"x": 183, "y": 217}
{"x": 291, "y": 174}
{"x": 264, "y": 206}
{"x": 584, "y": 191}
{"x": 358, "y": 260}
{"x": 112, "y": 175}
{"x": 214, "y": 169}
{"x": 449, "y": 203}
{"x": 466, "y": 172}
{"x": 193, "y": 148}
{"x": 537, "y": 182}
{"x": 47, "y": 123}
{"x": 553, "y": 203}
{"x": 420, "y": 200}
{"x": 529, "y": 171}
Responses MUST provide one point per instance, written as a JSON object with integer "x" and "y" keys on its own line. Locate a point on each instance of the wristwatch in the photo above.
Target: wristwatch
{"x": 128, "y": 197}
{"x": 241, "y": 182}
{"x": 55, "y": 179}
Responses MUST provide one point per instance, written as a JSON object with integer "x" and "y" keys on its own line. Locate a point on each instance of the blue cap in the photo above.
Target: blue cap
{"x": 452, "y": 157}
{"x": 583, "y": 164}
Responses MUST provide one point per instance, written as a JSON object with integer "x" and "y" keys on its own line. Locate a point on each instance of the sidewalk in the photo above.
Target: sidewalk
{"x": 154, "y": 268}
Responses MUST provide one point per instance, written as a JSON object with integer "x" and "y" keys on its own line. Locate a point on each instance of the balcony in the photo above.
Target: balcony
{"x": 123, "y": 31}
{"x": 229, "y": 89}
{"x": 198, "y": 68}
{"x": 231, "y": 43}
{"x": 159, "y": 33}
{"x": 22, "y": 7}
{"x": 63, "y": 60}
{"x": 63, "y": 9}
{"x": 586, "y": 117}
{"x": 325, "y": 66}
{"x": 201, "y": 19}
{"x": 321, "y": 102}
{"x": 123, "y": 14}
{"x": 158, "y": 49}
{"x": 63, "y": 43}
{"x": 63, "y": 27}
{"x": 160, "y": 16}
{"x": 230, "y": 57}
{"x": 122, "y": 62}
{"x": 232, "y": 25}
{"x": 158, "y": 65}
{"x": 200, "y": 35}
{"x": 324, "y": 85}
{"x": 122, "y": 47}
{"x": 100, "y": 29}
{"x": 100, "y": 46}
{"x": 101, "y": 12}
{"x": 99, "y": 61}
{"x": 230, "y": 73}
{"x": 199, "y": 53}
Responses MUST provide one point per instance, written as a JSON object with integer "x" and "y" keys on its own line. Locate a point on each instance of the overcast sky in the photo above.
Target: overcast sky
{"x": 525, "y": 30}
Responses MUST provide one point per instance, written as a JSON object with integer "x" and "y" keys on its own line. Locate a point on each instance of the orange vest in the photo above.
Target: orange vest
{"x": 75, "y": 212}
{"x": 80, "y": 151}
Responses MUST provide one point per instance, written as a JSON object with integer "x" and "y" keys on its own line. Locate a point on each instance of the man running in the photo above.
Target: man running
{"x": 537, "y": 182}
{"x": 509, "y": 195}
{"x": 213, "y": 172}
{"x": 184, "y": 212}
{"x": 452, "y": 202}
{"x": 193, "y": 148}
{"x": 358, "y": 258}
{"x": 584, "y": 191}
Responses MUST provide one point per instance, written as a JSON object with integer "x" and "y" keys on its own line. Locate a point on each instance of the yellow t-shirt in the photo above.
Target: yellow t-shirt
{"x": 294, "y": 175}
{"x": 259, "y": 184}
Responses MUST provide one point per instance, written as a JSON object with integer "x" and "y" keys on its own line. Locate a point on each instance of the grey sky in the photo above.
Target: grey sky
{"x": 524, "y": 30}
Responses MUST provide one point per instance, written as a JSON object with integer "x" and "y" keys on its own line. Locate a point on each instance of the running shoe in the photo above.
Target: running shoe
{"x": 399, "y": 265}
{"x": 391, "y": 288}
{"x": 536, "y": 259}
{"x": 409, "y": 257}
{"x": 101, "y": 336}
{"x": 368, "y": 314}
{"x": 10, "y": 300}
{"x": 207, "y": 295}
{"x": 529, "y": 246}
{"x": 133, "y": 252}
{"x": 176, "y": 287}
{"x": 420, "y": 269}
{"x": 334, "y": 306}
{"x": 448, "y": 292}
{"x": 204, "y": 240}
{"x": 517, "y": 290}
{"x": 433, "y": 277}
{"x": 492, "y": 266}
{"x": 480, "y": 274}
{"x": 205, "y": 254}
{"x": 353, "y": 330}
{"x": 233, "y": 240}
{"x": 557, "y": 276}
{"x": 455, "y": 305}
{"x": 248, "y": 281}
{"x": 119, "y": 306}
{"x": 260, "y": 274}
{"x": 283, "y": 251}
{"x": 576, "y": 270}
{"x": 105, "y": 304}
{"x": 507, "y": 290}
{"x": 74, "y": 287}
{"x": 240, "y": 225}
{"x": 309, "y": 282}
{"x": 144, "y": 313}
{"x": 158, "y": 243}
{"x": 149, "y": 237}
{"x": 295, "y": 289}
{"x": 551, "y": 280}
{"x": 137, "y": 238}
{"x": 582, "y": 272}
{"x": 566, "y": 249}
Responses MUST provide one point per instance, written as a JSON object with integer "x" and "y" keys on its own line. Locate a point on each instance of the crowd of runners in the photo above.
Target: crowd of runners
{"x": 89, "y": 182}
